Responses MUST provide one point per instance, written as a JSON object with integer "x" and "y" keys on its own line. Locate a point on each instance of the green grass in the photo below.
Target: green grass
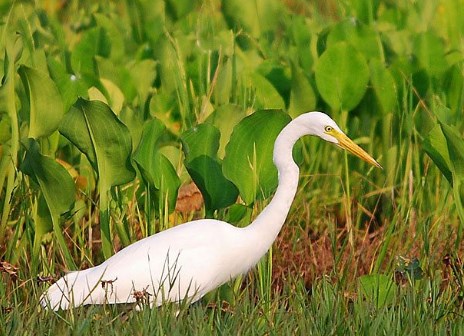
{"x": 364, "y": 251}
{"x": 324, "y": 309}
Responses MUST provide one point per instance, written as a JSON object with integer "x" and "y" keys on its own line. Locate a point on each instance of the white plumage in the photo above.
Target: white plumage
{"x": 189, "y": 260}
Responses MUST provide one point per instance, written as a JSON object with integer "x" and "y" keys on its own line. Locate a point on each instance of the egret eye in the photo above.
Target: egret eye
{"x": 328, "y": 129}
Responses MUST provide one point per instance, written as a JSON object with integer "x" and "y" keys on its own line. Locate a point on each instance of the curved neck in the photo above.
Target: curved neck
{"x": 265, "y": 228}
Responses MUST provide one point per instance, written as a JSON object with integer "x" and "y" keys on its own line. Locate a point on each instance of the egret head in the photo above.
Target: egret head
{"x": 321, "y": 125}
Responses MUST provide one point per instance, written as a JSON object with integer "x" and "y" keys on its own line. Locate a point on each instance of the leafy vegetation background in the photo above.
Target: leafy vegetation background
{"x": 121, "y": 119}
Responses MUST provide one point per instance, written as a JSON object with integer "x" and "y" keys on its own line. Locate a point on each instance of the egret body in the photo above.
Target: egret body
{"x": 189, "y": 260}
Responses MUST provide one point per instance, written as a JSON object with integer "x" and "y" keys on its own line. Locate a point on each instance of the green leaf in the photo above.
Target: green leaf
{"x": 94, "y": 42}
{"x": 70, "y": 86}
{"x": 342, "y": 76}
{"x": 254, "y": 17}
{"x": 364, "y": 38}
{"x": 53, "y": 179}
{"x": 278, "y": 75}
{"x": 46, "y": 108}
{"x": 248, "y": 161}
{"x": 223, "y": 89}
{"x": 378, "y": 289}
{"x": 93, "y": 128}
{"x": 265, "y": 93}
{"x": 143, "y": 74}
{"x": 436, "y": 147}
{"x": 106, "y": 142}
{"x": 5, "y": 128}
{"x": 455, "y": 143}
{"x": 302, "y": 35}
{"x": 201, "y": 144}
{"x": 57, "y": 188}
{"x": 224, "y": 118}
{"x": 384, "y": 87}
{"x": 157, "y": 171}
{"x": 302, "y": 97}
{"x": 430, "y": 52}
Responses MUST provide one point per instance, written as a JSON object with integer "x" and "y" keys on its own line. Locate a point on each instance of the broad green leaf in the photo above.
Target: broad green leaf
{"x": 201, "y": 144}
{"x": 5, "y": 128}
{"x": 46, "y": 108}
{"x": 430, "y": 52}
{"x": 302, "y": 98}
{"x": 212, "y": 32}
{"x": 455, "y": 144}
{"x": 143, "y": 74}
{"x": 342, "y": 76}
{"x": 436, "y": 147}
{"x": 111, "y": 95}
{"x": 42, "y": 219}
{"x": 93, "y": 128}
{"x": 224, "y": 118}
{"x": 302, "y": 36}
{"x": 384, "y": 87}
{"x": 70, "y": 86}
{"x": 113, "y": 34}
{"x": 279, "y": 76}
{"x": 378, "y": 289}
{"x": 157, "y": 171}
{"x": 254, "y": 17}
{"x": 364, "y": 38}
{"x": 364, "y": 10}
{"x": 248, "y": 160}
{"x": 265, "y": 93}
{"x": 53, "y": 179}
{"x": 94, "y": 42}
{"x": 58, "y": 191}
{"x": 454, "y": 88}
{"x": 180, "y": 8}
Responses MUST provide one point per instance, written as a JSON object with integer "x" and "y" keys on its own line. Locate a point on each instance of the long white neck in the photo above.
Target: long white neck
{"x": 265, "y": 228}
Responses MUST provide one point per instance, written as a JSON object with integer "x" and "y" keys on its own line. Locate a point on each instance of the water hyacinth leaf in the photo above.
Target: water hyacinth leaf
{"x": 279, "y": 76}
{"x": 302, "y": 97}
{"x": 46, "y": 108}
{"x": 430, "y": 52}
{"x": 342, "y": 76}
{"x": 224, "y": 118}
{"x": 436, "y": 147}
{"x": 93, "y": 128}
{"x": 265, "y": 93}
{"x": 53, "y": 179}
{"x": 106, "y": 142}
{"x": 363, "y": 37}
{"x": 42, "y": 219}
{"x": 383, "y": 84}
{"x": 201, "y": 144}
{"x": 56, "y": 186}
{"x": 143, "y": 74}
{"x": 248, "y": 160}
{"x": 255, "y": 17}
{"x": 94, "y": 42}
{"x": 157, "y": 171}
{"x": 455, "y": 144}
{"x": 212, "y": 31}
{"x": 378, "y": 289}
{"x": 69, "y": 85}
{"x": 301, "y": 35}
{"x": 5, "y": 128}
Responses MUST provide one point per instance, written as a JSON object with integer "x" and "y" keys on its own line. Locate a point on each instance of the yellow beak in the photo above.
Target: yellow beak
{"x": 348, "y": 144}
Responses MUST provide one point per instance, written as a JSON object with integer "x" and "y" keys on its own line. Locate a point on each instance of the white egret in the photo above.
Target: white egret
{"x": 189, "y": 260}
